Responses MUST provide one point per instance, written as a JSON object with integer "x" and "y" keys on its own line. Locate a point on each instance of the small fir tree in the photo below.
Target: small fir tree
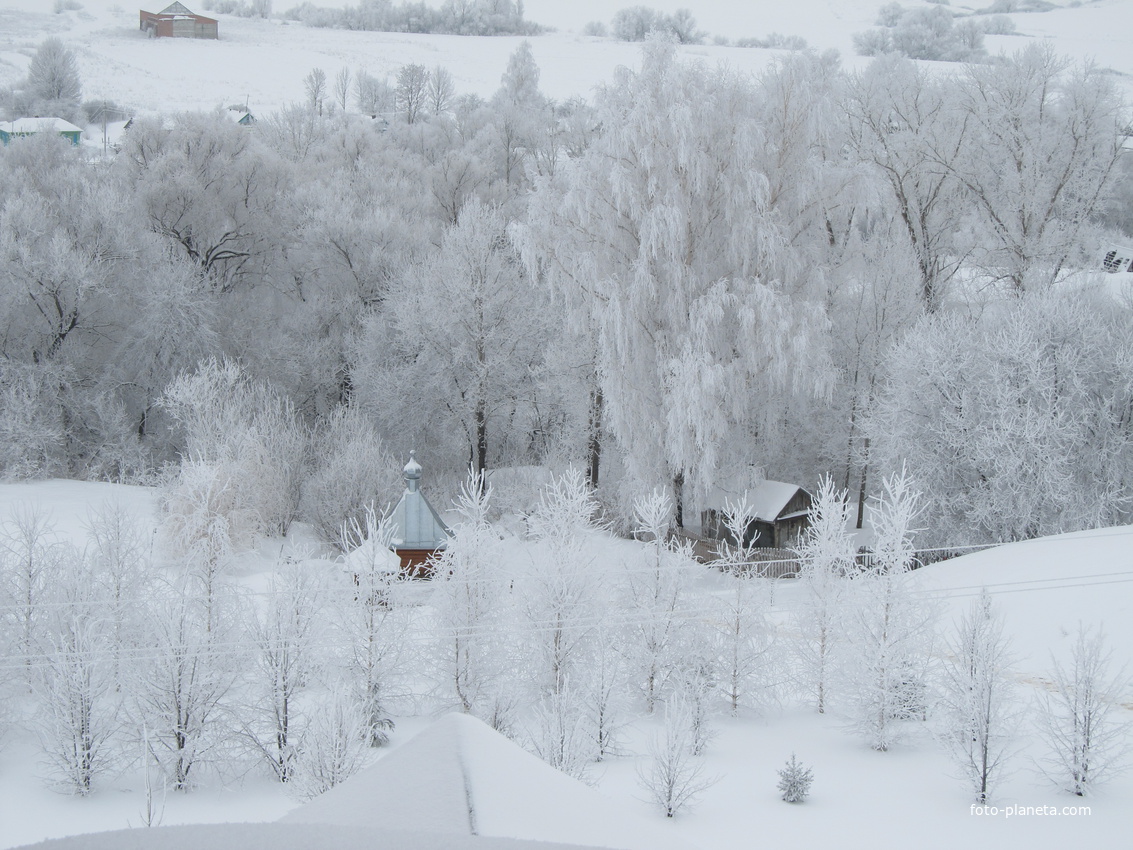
{"x": 794, "y": 781}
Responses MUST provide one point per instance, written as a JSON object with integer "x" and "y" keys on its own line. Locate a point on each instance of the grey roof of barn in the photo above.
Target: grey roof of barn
{"x": 416, "y": 524}
{"x": 175, "y": 9}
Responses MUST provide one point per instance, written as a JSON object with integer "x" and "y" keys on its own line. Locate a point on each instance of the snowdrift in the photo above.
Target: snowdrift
{"x": 277, "y": 836}
{"x": 459, "y": 777}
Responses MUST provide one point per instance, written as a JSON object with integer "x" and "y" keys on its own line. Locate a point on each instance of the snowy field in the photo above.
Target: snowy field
{"x": 909, "y": 796}
{"x": 263, "y": 63}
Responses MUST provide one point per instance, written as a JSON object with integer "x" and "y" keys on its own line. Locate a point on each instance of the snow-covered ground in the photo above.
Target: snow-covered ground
{"x": 906, "y": 797}
{"x": 263, "y": 63}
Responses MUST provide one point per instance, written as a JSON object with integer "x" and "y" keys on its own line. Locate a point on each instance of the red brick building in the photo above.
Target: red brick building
{"x": 176, "y": 21}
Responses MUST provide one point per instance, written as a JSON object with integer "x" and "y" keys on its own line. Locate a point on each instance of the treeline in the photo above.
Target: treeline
{"x": 454, "y": 17}
{"x": 701, "y": 276}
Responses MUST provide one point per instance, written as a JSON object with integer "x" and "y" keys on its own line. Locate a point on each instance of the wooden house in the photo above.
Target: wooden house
{"x": 10, "y": 130}
{"x": 780, "y": 514}
{"x": 176, "y": 21}
{"x": 418, "y": 531}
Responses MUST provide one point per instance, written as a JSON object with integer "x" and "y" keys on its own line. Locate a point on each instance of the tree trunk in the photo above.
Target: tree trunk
{"x": 594, "y": 442}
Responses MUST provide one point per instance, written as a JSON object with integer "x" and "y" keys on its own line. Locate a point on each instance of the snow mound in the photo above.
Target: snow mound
{"x": 460, "y": 777}
{"x": 278, "y": 836}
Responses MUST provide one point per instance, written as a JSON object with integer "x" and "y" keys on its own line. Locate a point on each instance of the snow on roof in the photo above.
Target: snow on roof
{"x": 766, "y": 499}
{"x": 285, "y": 836}
{"x": 175, "y": 9}
{"x": 39, "y": 125}
{"x": 459, "y": 777}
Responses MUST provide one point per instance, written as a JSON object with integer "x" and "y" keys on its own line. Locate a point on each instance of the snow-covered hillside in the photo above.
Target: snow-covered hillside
{"x": 262, "y": 63}
{"x": 908, "y": 796}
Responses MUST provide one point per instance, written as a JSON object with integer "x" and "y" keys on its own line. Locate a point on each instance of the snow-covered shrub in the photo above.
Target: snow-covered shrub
{"x": 794, "y": 781}
{"x": 333, "y": 747}
{"x": 921, "y": 34}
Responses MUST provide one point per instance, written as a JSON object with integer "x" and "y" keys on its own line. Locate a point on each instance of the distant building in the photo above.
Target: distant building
{"x": 30, "y": 126}
{"x": 241, "y": 117}
{"x": 418, "y": 531}
{"x": 175, "y": 21}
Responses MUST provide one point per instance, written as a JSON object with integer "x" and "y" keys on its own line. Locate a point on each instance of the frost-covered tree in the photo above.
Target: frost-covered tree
{"x": 457, "y": 346}
{"x": 744, "y": 640}
{"x": 411, "y": 91}
{"x": 658, "y": 593}
{"x": 121, "y": 561}
{"x": 440, "y": 91}
{"x": 78, "y": 707}
{"x": 978, "y": 709}
{"x": 286, "y": 631}
{"x": 890, "y": 630}
{"x": 826, "y": 555}
{"x": 472, "y": 629}
{"x": 351, "y": 470}
{"x": 1014, "y": 424}
{"x": 675, "y": 777}
{"x": 315, "y": 85}
{"x": 31, "y": 554}
{"x": 1087, "y": 742}
{"x": 370, "y": 619}
{"x": 563, "y": 596}
{"x": 1044, "y": 139}
{"x": 908, "y": 126}
{"x": 182, "y": 682}
{"x": 53, "y": 78}
{"x": 665, "y": 221}
{"x": 212, "y": 192}
{"x": 250, "y": 435}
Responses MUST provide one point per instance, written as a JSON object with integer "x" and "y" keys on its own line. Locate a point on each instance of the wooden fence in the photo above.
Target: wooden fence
{"x": 784, "y": 563}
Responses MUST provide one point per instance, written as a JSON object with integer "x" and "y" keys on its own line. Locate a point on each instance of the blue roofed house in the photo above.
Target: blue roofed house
{"x": 21, "y": 127}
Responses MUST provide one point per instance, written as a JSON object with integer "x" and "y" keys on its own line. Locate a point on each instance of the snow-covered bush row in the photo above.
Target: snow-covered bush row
{"x": 699, "y": 274}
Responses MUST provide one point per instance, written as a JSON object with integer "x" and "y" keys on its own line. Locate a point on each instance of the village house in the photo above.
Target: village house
{"x": 175, "y": 21}
{"x": 10, "y": 130}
